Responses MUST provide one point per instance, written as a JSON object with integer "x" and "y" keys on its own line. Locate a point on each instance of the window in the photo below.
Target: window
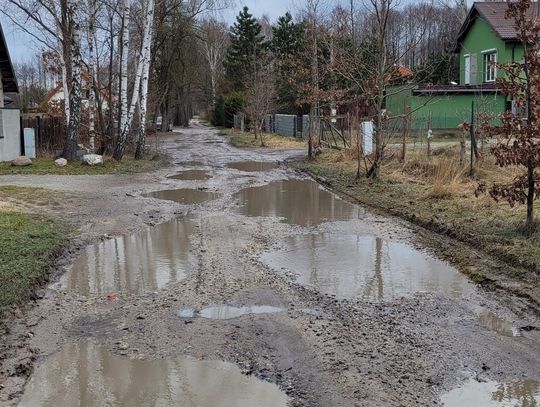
{"x": 490, "y": 66}
{"x": 467, "y": 67}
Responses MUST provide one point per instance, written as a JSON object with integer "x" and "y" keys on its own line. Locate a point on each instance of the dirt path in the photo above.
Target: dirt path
{"x": 355, "y": 311}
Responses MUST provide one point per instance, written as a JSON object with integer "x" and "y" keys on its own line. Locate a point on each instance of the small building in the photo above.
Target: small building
{"x": 486, "y": 38}
{"x": 10, "y": 125}
{"x": 54, "y": 100}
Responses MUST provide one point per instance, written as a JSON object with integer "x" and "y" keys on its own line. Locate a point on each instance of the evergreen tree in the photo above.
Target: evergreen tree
{"x": 288, "y": 37}
{"x": 288, "y": 42}
{"x": 247, "y": 42}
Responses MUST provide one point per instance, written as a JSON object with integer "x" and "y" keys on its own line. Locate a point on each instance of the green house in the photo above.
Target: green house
{"x": 486, "y": 38}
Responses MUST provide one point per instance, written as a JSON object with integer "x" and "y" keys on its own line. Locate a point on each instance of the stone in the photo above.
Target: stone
{"x": 92, "y": 159}
{"x": 60, "y": 162}
{"x": 21, "y": 161}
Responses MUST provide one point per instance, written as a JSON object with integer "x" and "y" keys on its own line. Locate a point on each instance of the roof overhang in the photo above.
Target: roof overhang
{"x": 9, "y": 80}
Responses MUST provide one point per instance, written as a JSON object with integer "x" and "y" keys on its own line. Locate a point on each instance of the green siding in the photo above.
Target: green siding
{"x": 480, "y": 38}
{"x": 447, "y": 111}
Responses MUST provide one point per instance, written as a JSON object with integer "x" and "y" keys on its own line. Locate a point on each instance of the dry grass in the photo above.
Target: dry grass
{"x": 438, "y": 192}
{"x": 239, "y": 139}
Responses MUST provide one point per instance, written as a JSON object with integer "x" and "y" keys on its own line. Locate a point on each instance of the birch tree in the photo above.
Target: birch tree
{"x": 121, "y": 138}
{"x": 214, "y": 46}
{"x": 147, "y": 45}
{"x": 91, "y": 33}
{"x": 75, "y": 94}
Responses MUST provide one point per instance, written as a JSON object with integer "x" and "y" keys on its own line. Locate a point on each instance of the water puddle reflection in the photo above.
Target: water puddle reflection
{"x": 87, "y": 375}
{"x": 521, "y": 393}
{"x": 135, "y": 264}
{"x": 252, "y": 166}
{"x": 367, "y": 267}
{"x": 300, "y": 202}
{"x": 227, "y": 312}
{"x": 497, "y": 324}
{"x": 191, "y": 175}
{"x": 184, "y": 196}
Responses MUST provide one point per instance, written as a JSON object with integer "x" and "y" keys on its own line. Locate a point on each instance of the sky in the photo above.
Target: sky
{"x": 22, "y": 47}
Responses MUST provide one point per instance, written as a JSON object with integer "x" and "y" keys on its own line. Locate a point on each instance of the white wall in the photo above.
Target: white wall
{"x": 10, "y": 134}
{"x": 1, "y": 91}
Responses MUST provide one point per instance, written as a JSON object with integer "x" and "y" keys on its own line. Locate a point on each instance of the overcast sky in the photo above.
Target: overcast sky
{"x": 23, "y": 47}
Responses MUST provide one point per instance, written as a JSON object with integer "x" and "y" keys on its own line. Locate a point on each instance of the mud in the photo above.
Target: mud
{"x": 366, "y": 267}
{"x": 321, "y": 350}
{"x": 134, "y": 264}
{"x": 252, "y": 166}
{"x": 191, "y": 175}
{"x": 497, "y": 324}
{"x": 184, "y": 196}
{"x": 190, "y": 163}
{"x": 87, "y": 375}
{"x": 301, "y": 202}
{"x": 488, "y": 393}
{"x": 227, "y": 311}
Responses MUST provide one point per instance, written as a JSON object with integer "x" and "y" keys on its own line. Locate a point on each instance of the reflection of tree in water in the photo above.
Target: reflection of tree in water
{"x": 523, "y": 393}
{"x": 377, "y": 278}
{"x": 301, "y": 202}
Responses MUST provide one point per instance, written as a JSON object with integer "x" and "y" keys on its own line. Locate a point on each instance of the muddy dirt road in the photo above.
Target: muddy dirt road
{"x": 233, "y": 281}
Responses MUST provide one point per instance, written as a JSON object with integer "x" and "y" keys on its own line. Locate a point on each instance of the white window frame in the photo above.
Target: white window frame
{"x": 490, "y": 72}
{"x": 467, "y": 72}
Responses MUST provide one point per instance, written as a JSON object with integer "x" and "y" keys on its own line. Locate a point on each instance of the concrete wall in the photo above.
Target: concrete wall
{"x": 10, "y": 134}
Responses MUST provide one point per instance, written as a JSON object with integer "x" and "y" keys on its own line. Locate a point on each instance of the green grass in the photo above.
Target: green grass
{"x": 28, "y": 246}
{"x": 44, "y": 166}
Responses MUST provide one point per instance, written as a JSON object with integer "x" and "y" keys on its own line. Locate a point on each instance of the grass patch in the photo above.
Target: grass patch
{"x": 44, "y": 166}
{"x": 243, "y": 140}
{"x": 13, "y": 197}
{"x": 437, "y": 193}
{"x": 28, "y": 246}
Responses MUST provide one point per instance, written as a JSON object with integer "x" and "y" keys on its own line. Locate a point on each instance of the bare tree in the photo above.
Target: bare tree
{"x": 260, "y": 93}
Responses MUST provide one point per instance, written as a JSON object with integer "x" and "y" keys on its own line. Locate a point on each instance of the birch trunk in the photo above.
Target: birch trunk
{"x": 91, "y": 75}
{"x": 141, "y": 140}
{"x": 120, "y": 144}
{"x": 74, "y": 126}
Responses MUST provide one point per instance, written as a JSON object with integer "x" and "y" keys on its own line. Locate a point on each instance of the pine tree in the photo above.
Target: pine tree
{"x": 288, "y": 37}
{"x": 288, "y": 42}
{"x": 247, "y": 42}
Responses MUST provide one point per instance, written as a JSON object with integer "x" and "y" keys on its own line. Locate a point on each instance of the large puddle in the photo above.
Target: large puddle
{"x": 300, "y": 202}
{"x": 191, "y": 175}
{"x": 521, "y": 393}
{"x": 134, "y": 264}
{"x": 227, "y": 311}
{"x": 186, "y": 196}
{"x": 360, "y": 266}
{"x": 252, "y": 166}
{"x": 86, "y": 375}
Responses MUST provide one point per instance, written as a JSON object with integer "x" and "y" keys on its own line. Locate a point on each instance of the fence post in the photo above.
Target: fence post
{"x": 405, "y": 131}
{"x": 473, "y": 141}
{"x": 429, "y": 134}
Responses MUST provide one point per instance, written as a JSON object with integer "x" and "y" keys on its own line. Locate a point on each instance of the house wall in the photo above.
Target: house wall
{"x": 1, "y": 92}
{"x": 10, "y": 134}
{"x": 480, "y": 38}
{"x": 447, "y": 111}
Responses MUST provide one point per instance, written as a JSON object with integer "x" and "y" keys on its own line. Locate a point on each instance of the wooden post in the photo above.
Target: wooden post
{"x": 405, "y": 131}
{"x": 429, "y": 134}
{"x": 473, "y": 141}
